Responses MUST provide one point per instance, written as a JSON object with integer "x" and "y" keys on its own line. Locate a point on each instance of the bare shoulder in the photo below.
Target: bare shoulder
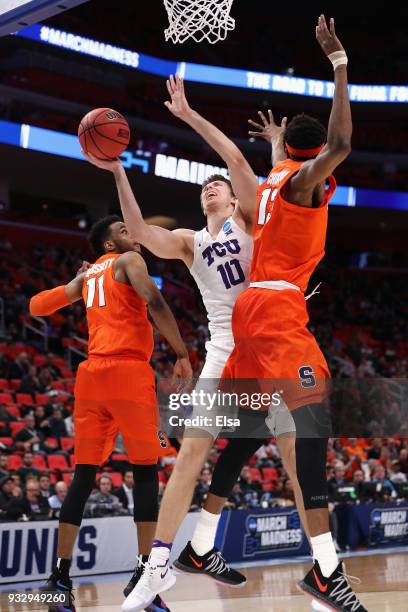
{"x": 187, "y": 235}
{"x": 130, "y": 258}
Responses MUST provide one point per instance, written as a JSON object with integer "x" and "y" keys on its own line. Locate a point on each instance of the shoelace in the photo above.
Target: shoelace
{"x": 217, "y": 564}
{"x": 314, "y": 292}
{"x": 342, "y": 593}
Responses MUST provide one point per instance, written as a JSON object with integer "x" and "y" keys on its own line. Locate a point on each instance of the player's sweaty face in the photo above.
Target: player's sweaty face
{"x": 216, "y": 197}
{"x": 122, "y": 239}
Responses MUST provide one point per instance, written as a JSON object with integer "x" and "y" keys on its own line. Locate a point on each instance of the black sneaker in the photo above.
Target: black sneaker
{"x": 157, "y": 604}
{"x": 56, "y": 585}
{"x": 211, "y": 564}
{"x": 334, "y": 591}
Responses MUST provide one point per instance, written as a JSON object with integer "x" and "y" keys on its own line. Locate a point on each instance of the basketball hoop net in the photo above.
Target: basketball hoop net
{"x": 198, "y": 19}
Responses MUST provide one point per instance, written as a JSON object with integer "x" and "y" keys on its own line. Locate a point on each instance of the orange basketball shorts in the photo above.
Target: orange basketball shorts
{"x": 274, "y": 348}
{"x": 115, "y": 395}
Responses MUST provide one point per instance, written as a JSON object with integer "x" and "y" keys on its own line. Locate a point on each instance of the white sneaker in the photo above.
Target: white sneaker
{"x": 155, "y": 579}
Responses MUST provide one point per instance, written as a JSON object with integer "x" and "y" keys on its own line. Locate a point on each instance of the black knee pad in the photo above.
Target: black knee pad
{"x": 145, "y": 493}
{"x": 79, "y": 490}
{"x": 311, "y": 457}
{"x": 230, "y": 463}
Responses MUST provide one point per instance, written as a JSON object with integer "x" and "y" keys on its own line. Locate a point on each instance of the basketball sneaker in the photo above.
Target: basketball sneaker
{"x": 335, "y": 591}
{"x": 57, "y": 584}
{"x": 157, "y": 604}
{"x": 154, "y": 580}
{"x": 211, "y": 564}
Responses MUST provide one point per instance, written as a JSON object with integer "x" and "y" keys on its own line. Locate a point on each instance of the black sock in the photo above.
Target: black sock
{"x": 145, "y": 558}
{"x": 63, "y": 566}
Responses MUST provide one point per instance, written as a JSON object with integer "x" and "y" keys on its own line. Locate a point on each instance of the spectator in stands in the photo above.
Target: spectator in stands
{"x": 46, "y": 488}
{"x": 4, "y": 365}
{"x": 5, "y": 431}
{"x": 267, "y": 455}
{"x": 4, "y": 471}
{"x": 57, "y": 425}
{"x": 246, "y": 482}
{"x": 358, "y": 482}
{"x": 236, "y": 499}
{"x": 124, "y": 493}
{"x": 5, "y": 417}
{"x": 337, "y": 480}
{"x": 30, "y": 382}
{"x": 28, "y": 470}
{"x": 55, "y": 501}
{"x": 51, "y": 367}
{"x": 403, "y": 460}
{"x": 19, "y": 367}
{"x": 103, "y": 503}
{"x": 386, "y": 488}
{"x": 45, "y": 378}
{"x": 396, "y": 476}
{"x": 374, "y": 452}
{"x": 31, "y": 505}
{"x": 201, "y": 490}
{"x": 41, "y": 421}
{"x": 31, "y": 438}
{"x": 8, "y": 492}
{"x": 354, "y": 450}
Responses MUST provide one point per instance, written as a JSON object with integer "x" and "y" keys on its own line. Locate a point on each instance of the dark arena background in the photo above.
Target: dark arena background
{"x": 62, "y": 61}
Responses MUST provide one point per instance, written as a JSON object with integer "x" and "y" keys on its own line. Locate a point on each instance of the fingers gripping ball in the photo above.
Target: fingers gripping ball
{"x": 104, "y": 133}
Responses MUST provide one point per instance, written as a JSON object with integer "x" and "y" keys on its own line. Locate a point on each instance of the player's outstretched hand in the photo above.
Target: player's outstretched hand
{"x": 111, "y": 165}
{"x": 178, "y": 105}
{"x": 182, "y": 372}
{"x": 269, "y": 130}
{"x": 326, "y": 38}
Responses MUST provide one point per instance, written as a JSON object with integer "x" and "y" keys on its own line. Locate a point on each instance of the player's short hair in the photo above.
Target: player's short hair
{"x": 218, "y": 177}
{"x": 100, "y": 233}
{"x": 305, "y": 132}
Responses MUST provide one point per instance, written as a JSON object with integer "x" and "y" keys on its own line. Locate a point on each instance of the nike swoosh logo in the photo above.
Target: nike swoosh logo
{"x": 162, "y": 576}
{"x": 62, "y": 586}
{"x": 322, "y": 587}
{"x": 196, "y": 563}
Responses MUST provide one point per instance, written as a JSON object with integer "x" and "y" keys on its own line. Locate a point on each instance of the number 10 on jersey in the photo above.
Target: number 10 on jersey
{"x": 231, "y": 273}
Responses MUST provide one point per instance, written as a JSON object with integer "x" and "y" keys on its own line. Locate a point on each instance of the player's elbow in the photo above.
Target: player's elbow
{"x": 341, "y": 147}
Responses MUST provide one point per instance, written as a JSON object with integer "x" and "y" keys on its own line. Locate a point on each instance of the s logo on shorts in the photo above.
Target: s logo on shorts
{"x": 307, "y": 377}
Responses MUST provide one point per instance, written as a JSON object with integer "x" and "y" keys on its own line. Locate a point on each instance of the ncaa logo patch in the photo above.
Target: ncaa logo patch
{"x": 227, "y": 228}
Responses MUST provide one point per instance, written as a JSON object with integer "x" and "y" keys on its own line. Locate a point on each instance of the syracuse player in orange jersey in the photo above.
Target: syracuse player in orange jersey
{"x": 272, "y": 342}
{"x": 115, "y": 386}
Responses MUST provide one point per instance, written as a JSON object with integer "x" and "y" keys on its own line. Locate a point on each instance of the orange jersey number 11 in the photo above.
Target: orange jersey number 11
{"x": 91, "y": 284}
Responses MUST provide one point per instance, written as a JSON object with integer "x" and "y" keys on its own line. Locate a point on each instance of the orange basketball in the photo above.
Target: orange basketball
{"x": 104, "y": 133}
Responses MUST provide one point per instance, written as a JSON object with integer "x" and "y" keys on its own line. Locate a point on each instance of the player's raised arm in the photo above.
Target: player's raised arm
{"x": 168, "y": 244}
{"x": 272, "y": 133}
{"x": 48, "y": 302}
{"x": 340, "y": 127}
{"x": 244, "y": 181}
{"x": 136, "y": 272}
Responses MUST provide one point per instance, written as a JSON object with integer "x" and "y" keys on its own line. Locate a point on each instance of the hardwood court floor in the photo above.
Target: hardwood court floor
{"x": 383, "y": 588}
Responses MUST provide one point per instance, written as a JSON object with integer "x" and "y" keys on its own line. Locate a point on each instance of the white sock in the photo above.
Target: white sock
{"x": 159, "y": 555}
{"x": 324, "y": 553}
{"x": 204, "y": 535}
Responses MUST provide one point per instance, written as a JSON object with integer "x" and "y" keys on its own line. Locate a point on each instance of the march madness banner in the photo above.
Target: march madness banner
{"x": 104, "y": 545}
{"x": 248, "y": 535}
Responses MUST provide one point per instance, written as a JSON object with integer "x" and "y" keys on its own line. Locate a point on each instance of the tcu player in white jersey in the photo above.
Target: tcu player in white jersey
{"x": 218, "y": 258}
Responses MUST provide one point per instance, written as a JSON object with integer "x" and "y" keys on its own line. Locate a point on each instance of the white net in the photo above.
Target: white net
{"x": 198, "y": 19}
